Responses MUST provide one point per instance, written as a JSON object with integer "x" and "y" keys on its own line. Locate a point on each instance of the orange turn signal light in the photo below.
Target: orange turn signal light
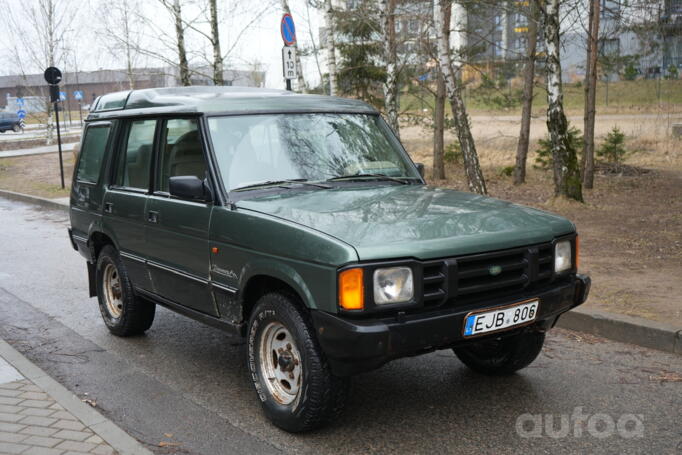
{"x": 351, "y": 289}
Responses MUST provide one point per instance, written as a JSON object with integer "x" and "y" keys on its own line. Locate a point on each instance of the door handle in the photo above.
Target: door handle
{"x": 108, "y": 207}
{"x": 153, "y": 216}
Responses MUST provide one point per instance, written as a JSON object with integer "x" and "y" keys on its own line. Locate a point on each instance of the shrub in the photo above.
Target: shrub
{"x": 543, "y": 159}
{"x": 630, "y": 72}
{"x": 613, "y": 149}
{"x": 672, "y": 72}
{"x": 453, "y": 153}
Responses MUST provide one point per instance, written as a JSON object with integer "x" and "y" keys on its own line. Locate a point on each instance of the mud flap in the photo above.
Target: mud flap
{"x": 92, "y": 279}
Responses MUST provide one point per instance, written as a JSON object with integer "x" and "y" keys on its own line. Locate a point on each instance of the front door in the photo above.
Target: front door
{"x": 177, "y": 230}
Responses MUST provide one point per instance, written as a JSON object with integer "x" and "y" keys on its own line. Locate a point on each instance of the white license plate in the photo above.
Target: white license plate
{"x": 500, "y": 319}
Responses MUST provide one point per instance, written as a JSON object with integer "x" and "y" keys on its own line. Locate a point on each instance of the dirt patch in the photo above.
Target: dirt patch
{"x": 36, "y": 174}
{"x": 631, "y": 224}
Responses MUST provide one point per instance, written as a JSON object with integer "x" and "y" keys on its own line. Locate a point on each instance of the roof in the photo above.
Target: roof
{"x": 217, "y": 100}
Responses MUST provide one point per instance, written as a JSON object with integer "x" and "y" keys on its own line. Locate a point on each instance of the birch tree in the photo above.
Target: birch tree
{"x": 439, "y": 129}
{"x": 331, "y": 45}
{"x": 121, "y": 27}
{"x": 183, "y": 65}
{"x": 567, "y": 181}
{"x": 390, "y": 86}
{"x": 472, "y": 168}
{"x": 528, "y": 82}
{"x": 590, "y": 94}
{"x": 218, "y": 67}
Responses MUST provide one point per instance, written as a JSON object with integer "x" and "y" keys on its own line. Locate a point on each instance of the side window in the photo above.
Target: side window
{"x": 92, "y": 153}
{"x": 135, "y": 156}
{"x": 181, "y": 152}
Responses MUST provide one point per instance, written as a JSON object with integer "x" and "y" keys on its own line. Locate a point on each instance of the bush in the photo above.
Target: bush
{"x": 630, "y": 72}
{"x": 543, "y": 160}
{"x": 613, "y": 149}
{"x": 453, "y": 153}
{"x": 672, "y": 72}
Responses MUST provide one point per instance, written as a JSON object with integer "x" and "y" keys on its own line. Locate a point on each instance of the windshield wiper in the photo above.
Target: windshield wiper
{"x": 280, "y": 183}
{"x": 401, "y": 180}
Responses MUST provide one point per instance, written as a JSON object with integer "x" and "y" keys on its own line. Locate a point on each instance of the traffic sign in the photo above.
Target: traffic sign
{"x": 20, "y": 101}
{"x": 52, "y": 75}
{"x": 21, "y": 114}
{"x": 289, "y": 62}
{"x": 78, "y": 95}
{"x": 62, "y": 96}
{"x": 288, "y": 30}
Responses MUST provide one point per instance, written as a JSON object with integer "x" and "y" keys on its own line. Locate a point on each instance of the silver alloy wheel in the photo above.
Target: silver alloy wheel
{"x": 280, "y": 363}
{"x": 113, "y": 294}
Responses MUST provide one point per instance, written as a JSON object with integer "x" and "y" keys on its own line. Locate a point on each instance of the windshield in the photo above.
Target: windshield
{"x": 257, "y": 149}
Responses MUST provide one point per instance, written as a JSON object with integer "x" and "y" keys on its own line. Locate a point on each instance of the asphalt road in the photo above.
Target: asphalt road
{"x": 189, "y": 381}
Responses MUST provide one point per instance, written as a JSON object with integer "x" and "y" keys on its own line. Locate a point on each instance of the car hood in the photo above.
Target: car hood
{"x": 400, "y": 221}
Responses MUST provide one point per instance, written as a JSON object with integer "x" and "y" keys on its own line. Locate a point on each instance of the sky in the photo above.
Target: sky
{"x": 261, "y": 42}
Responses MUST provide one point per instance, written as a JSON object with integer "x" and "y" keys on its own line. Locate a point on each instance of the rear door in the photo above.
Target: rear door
{"x": 177, "y": 230}
{"x": 125, "y": 202}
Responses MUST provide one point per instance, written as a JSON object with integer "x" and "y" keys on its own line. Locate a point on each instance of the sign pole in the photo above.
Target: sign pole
{"x": 59, "y": 143}
{"x": 53, "y": 77}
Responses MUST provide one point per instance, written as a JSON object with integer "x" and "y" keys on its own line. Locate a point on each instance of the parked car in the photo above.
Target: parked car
{"x": 300, "y": 223}
{"x": 10, "y": 121}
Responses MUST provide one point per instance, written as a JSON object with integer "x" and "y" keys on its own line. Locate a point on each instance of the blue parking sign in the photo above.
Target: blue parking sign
{"x": 78, "y": 95}
{"x": 20, "y": 101}
{"x": 21, "y": 114}
{"x": 62, "y": 96}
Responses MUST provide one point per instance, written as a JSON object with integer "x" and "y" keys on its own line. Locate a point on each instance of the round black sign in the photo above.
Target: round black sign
{"x": 53, "y": 76}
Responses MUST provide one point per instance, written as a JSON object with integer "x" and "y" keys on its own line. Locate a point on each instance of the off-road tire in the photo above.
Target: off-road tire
{"x": 502, "y": 356}
{"x": 137, "y": 314}
{"x": 322, "y": 395}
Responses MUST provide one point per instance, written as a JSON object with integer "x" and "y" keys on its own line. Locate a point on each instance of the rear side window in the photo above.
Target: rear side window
{"x": 181, "y": 152}
{"x": 135, "y": 158}
{"x": 92, "y": 153}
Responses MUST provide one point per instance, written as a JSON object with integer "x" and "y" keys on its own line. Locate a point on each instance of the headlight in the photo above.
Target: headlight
{"x": 393, "y": 285}
{"x": 562, "y": 256}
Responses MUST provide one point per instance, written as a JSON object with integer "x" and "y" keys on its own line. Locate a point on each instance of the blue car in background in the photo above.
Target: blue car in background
{"x": 10, "y": 121}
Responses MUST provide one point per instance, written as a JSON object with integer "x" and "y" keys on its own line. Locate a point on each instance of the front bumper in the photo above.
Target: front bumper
{"x": 357, "y": 345}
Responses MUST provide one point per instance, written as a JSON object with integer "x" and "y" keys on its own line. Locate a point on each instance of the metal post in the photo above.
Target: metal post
{"x": 80, "y": 112}
{"x": 289, "y": 85}
{"x": 59, "y": 144}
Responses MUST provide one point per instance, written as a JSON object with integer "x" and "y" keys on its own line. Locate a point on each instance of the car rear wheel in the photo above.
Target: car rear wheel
{"x": 502, "y": 356}
{"x": 124, "y": 313}
{"x": 296, "y": 387}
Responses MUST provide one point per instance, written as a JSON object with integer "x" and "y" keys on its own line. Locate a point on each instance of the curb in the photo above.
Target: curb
{"x": 41, "y": 201}
{"x": 118, "y": 439}
{"x": 626, "y": 329}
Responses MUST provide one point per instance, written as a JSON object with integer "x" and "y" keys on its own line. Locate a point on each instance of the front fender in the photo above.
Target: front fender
{"x": 281, "y": 271}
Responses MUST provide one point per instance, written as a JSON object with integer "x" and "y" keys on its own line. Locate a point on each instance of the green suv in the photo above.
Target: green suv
{"x": 300, "y": 223}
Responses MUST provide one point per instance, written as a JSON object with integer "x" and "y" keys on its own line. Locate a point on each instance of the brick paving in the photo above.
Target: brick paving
{"x": 32, "y": 423}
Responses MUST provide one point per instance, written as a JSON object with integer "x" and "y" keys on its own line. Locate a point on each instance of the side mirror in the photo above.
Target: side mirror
{"x": 189, "y": 187}
{"x": 420, "y": 168}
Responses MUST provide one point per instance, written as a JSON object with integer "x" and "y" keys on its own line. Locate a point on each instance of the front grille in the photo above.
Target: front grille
{"x": 468, "y": 279}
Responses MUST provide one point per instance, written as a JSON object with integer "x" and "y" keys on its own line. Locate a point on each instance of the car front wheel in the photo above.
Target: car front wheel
{"x": 124, "y": 313}
{"x": 502, "y": 356}
{"x": 293, "y": 381}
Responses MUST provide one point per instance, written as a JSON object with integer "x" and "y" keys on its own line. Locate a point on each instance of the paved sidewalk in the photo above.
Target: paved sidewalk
{"x": 38, "y": 416}
{"x": 37, "y": 150}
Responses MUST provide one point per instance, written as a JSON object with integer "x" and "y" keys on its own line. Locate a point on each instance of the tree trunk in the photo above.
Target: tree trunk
{"x": 331, "y": 46}
{"x": 218, "y": 77}
{"x": 590, "y": 95}
{"x": 439, "y": 130}
{"x": 387, "y": 13}
{"x": 300, "y": 80}
{"x": 567, "y": 181}
{"x": 528, "y": 81}
{"x": 472, "y": 168}
{"x": 180, "y": 37}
